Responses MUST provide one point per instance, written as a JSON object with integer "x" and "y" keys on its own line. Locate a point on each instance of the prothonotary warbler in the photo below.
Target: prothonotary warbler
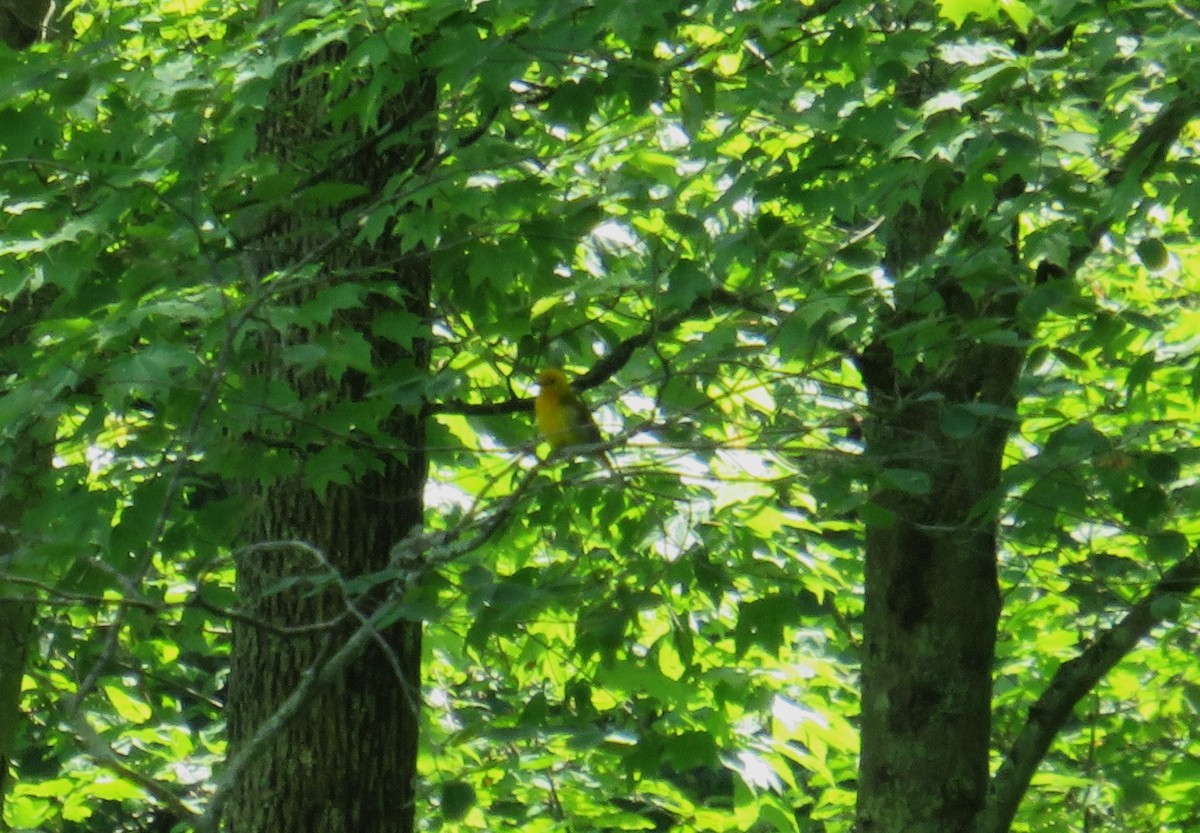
{"x": 562, "y": 417}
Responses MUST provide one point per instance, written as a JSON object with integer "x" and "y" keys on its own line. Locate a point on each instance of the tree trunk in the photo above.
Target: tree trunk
{"x": 348, "y": 764}
{"x": 932, "y": 605}
{"x": 21, "y": 476}
{"x": 16, "y": 630}
{"x": 25, "y": 22}
{"x": 938, "y": 420}
{"x": 22, "y": 23}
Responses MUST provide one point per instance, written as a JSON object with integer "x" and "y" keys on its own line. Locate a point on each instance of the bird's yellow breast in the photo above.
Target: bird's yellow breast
{"x": 554, "y": 421}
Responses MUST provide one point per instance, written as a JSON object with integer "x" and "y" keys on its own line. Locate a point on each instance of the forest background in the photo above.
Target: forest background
{"x": 887, "y": 311}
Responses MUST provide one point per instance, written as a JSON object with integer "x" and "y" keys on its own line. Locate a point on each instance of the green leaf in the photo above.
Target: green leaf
{"x": 1068, "y": 358}
{"x": 711, "y": 577}
{"x": 1167, "y": 546}
{"x": 761, "y": 622}
{"x": 958, "y": 423}
{"x": 1163, "y": 469}
{"x": 347, "y": 350}
{"x": 1139, "y": 373}
{"x": 26, "y": 812}
{"x": 690, "y": 750}
{"x": 71, "y": 89}
{"x": 642, "y": 89}
{"x": 128, "y": 708}
{"x": 132, "y": 537}
{"x": 858, "y": 256}
{"x": 1142, "y": 505}
{"x": 574, "y": 102}
{"x": 326, "y": 195}
{"x": 151, "y": 370}
{"x": 686, "y": 283}
{"x": 683, "y": 640}
{"x": 1019, "y": 13}
{"x": 117, "y": 789}
{"x": 958, "y": 11}
{"x": 25, "y": 129}
{"x": 1153, "y": 254}
{"x": 1166, "y": 608}
{"x": 911, "y": 481}
{"x": 457, "y": 798}
{"x": 874, "y": 515}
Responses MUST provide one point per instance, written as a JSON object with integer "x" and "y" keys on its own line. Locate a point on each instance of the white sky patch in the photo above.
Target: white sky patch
{"x": 677, "y": 535}
{"x": 755, "y": 771}
{"x": 439, "y": 495}
{"x": 749, "y": 464}
{"x": 22, "y": 206}
{"x": 673, "y": 137}
{"x": 489, "y": 443}
{"x": 638, "y": 402}
{"x": 191, "y": 773}
{"x": 744, "y": 207}
{"x": 884, "y": 285}
{"x": 439, "y": 699}
{"x": 615, "y": 234}
{"x": 609, "y": 421}
{"x": 483, "y": 181}
{"x": 1128, "y": 45}
{"x": 99, "y": 459}
{"x": 793, "y": 716}
{"x": 974, "y": 54}
{"x": 804, "y": 100}
{"x": 1159, "y": 214}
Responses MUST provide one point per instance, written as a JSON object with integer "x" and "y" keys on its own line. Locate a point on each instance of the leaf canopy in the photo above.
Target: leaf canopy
{"x": 682, "y": 203}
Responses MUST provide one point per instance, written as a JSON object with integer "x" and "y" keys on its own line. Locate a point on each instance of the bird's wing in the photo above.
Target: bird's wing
{"x": 581, "y": 421}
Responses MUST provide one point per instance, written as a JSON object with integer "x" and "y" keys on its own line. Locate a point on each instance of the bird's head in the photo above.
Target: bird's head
{"x": 552, "y": 379}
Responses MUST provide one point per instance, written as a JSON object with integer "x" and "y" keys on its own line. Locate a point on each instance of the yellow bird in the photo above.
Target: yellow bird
{"x": 563, "y": 418}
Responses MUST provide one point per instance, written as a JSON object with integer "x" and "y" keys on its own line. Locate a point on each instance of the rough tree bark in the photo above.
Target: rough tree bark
{"x": 22, "y": 468}
{"x": 348, "y": 764}
{"x": 22, "y": 23}
{"x": 25, "y": 22}
{"x": 932, "y": 599}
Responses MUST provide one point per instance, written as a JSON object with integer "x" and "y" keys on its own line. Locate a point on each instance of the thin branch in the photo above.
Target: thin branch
{"x": 603, "y": 369}
{"x": 1072, "y": 682}
{"x": 208, "y": 396}
{"x": 413, "y": 558}
{"x": 270, "y": 728}
{"x": 1141, "y": 160}
{"x": 104, "y": 755}
{"x": 423, "y": 551}
{"x": 1074, "y": 679}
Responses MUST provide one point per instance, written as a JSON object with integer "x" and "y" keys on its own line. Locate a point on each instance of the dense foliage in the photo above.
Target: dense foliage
{"x": 682, "y": 202}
